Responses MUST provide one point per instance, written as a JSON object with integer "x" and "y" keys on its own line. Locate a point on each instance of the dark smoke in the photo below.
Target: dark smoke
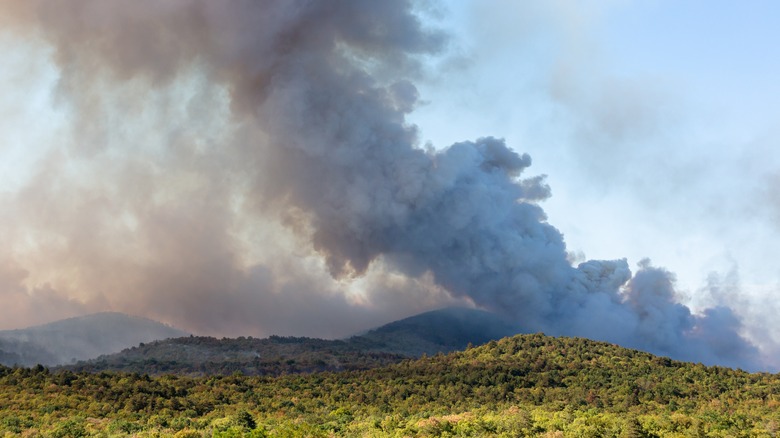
{"x": 312, "y": 98}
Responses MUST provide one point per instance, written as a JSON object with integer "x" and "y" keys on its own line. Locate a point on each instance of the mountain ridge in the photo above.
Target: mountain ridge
{"x": 428, "y": 333}
{"x": 441, "y": 331}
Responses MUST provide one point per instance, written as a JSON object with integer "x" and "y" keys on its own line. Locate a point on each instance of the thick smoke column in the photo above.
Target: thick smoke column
{"x": 320, "y": 90}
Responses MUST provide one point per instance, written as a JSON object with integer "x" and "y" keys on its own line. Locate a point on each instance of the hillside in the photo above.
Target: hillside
{"x": 198, "y": 355}
{"x": 438, "y": 331}
{"x": 80, "y": 338}
{"x": 526, "y": 385}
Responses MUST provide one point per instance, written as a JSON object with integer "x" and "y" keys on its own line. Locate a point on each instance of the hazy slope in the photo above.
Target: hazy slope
{"x": 442, "y": 330}
{"x": 79, "y": 338}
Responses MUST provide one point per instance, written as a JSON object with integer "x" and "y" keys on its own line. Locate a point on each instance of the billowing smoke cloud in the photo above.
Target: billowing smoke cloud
{"x": 243, "y": 164}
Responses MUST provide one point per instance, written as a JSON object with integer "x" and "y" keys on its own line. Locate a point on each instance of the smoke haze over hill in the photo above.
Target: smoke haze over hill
{"x": 80, "y": 338}
{"x": 247, "y": 168}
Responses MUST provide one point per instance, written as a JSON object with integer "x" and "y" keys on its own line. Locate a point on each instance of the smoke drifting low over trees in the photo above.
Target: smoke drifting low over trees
{"x": 238, "y": 166}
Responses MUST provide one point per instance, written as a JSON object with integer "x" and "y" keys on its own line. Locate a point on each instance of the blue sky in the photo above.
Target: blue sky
{"x": 656, "y": 122}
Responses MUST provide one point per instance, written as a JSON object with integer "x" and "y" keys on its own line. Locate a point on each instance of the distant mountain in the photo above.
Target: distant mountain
{"x": 429, "y": 333}
{"x": 80, "y": 338}
{"x": 437, "y": 331}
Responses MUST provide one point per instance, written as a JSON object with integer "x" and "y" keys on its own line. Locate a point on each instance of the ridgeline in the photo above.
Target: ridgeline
{"x": 437, "y": 331}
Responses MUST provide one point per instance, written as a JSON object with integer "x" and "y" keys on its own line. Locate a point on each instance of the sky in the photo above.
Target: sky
{"x": 159, "y": 166}
{"x": 663, "y": 114}
{"x": 656, "y": 124}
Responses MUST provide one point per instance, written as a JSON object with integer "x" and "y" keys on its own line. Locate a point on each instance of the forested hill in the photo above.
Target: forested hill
{"x": 199, "y": 355}
{"x": 526, "y": 385}
{"x": 438, "y": 331}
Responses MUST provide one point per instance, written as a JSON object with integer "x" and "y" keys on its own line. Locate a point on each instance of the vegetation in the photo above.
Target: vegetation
{"x": 201, "y": 356}
{"x": 526, "y": 385}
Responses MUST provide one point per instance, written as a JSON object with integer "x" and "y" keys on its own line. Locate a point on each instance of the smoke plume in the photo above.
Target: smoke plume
{"x": 243, "y": 166}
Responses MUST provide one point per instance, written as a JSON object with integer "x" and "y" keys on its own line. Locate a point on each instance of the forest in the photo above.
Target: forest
{"x": 525, "y": 385}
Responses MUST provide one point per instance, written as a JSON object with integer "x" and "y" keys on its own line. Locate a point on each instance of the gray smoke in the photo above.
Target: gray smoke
{"x": 314, "y": 162}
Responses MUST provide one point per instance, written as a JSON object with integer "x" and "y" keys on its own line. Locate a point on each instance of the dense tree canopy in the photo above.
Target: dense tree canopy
{"x": 527, "y": 385}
